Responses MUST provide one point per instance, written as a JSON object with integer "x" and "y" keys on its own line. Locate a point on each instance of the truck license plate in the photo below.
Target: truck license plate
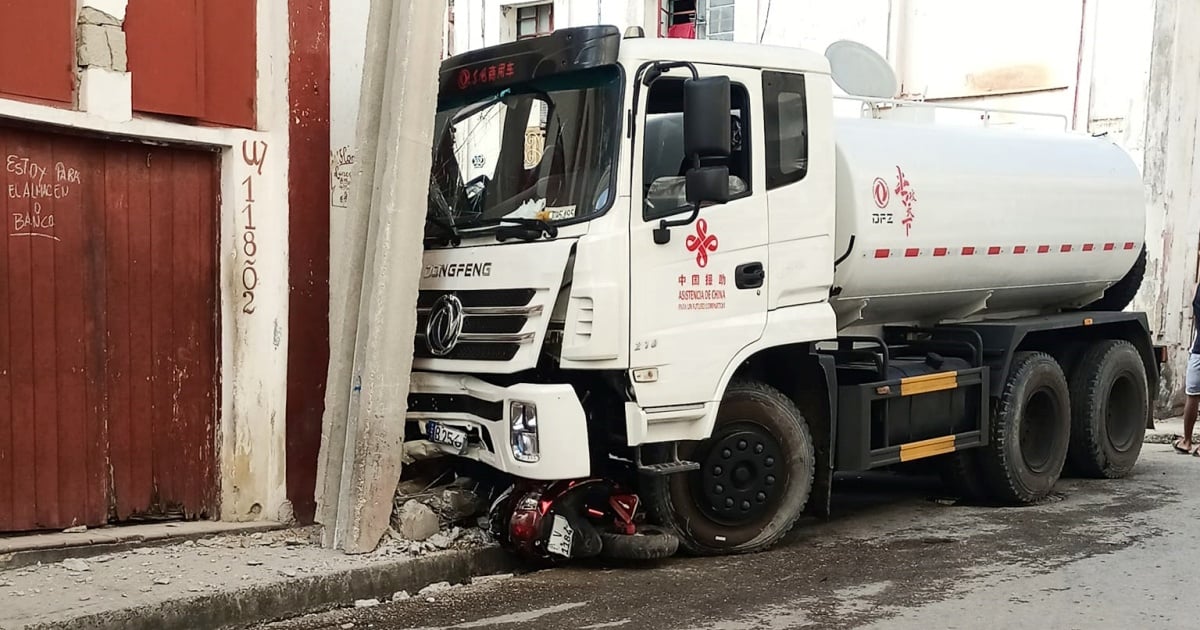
{"x": 561, "y": 536}
{"x": 439, "y": 433}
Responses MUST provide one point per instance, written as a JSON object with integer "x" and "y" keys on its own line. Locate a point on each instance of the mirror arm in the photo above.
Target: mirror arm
{"x": 661, "y": 67}
{"x": 662, "y": 234}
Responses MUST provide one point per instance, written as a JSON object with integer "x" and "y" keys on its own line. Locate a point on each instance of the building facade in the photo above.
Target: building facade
{"x": 158, "y": 262}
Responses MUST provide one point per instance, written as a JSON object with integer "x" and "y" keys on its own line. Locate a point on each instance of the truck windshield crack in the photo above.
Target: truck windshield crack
{"x": 536, "y": 154}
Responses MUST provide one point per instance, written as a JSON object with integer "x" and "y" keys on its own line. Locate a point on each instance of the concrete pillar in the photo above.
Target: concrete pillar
{"x": 374, "y": 275}
{"x": 1170, "y": 170}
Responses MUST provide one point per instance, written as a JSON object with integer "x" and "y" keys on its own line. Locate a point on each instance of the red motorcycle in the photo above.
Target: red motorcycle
{"x": 553, "y": 522}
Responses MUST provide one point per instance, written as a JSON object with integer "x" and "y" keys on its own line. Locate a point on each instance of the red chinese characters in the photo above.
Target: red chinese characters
{"x": 472, "y": 77}
{"x": 907, "y": 198}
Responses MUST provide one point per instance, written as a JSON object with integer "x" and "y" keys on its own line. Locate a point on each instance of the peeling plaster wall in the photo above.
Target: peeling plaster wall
{"x": 252, "y": 354}
{"x": 1170, "y": 171}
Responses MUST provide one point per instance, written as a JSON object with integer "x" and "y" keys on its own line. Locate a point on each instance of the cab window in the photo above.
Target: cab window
{"x": 785, "y": 122}
{"x": 664, "y": 165}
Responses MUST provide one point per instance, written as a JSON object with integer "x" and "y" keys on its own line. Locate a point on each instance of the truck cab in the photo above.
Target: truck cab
{"x": 630, "y": 266}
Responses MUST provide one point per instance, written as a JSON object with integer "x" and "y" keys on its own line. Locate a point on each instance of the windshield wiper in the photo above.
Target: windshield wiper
{"x": 448, "y": 234}
{"x": 525, "y": 229}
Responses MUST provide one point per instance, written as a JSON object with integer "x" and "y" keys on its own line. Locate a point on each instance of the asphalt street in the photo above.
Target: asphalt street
{"x": 896, "y": 554}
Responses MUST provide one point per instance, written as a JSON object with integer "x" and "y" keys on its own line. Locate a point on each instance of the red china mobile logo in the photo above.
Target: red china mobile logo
{"x": 702, "y": 243}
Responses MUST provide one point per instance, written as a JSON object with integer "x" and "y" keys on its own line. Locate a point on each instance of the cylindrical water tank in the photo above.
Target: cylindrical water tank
{"x": 952, "y": 222}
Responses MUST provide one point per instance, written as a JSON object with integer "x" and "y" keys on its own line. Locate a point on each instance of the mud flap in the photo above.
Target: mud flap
{"x": 824, "y": 440}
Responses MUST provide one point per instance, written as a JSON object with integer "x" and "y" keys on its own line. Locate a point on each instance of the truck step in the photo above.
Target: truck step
{"x": 668, "y": 468}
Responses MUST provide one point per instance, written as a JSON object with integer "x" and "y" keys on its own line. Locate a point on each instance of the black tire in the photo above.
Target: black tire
{"x": 1029, "y": 432}
{"x": 1119, "y": 295}
{"x": 1110, "y": 402}
{"x": 765, "y": 450}
{"x": 649, "y": 543}
{"x": 961, "y": 475}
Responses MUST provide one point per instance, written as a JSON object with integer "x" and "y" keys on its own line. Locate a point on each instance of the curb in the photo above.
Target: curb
{"x": 290, "y": 598}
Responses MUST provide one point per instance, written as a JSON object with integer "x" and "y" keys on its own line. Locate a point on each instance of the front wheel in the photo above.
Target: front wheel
{"x": 755, "y": 477}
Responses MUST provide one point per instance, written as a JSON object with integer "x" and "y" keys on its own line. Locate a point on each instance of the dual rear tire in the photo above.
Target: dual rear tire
{"x": 1093, "y": 419}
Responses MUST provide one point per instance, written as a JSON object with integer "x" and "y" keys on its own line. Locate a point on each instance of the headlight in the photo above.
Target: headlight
{"x": 523, "y": 419}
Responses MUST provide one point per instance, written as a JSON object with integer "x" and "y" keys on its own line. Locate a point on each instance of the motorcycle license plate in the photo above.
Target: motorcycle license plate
{"x": 439, "y": 433}
{"x": 561, "y": 536}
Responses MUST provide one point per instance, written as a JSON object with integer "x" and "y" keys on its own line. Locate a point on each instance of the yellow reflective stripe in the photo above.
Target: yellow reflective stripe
{"x": 927, "y": 383}
{"x": 927, "y": 448}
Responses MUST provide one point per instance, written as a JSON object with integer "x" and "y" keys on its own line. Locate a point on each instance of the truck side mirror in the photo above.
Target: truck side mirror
{"x": 706, "y": 133}
{"x": 708, "y": 184}
{"x": 706, "y": 126}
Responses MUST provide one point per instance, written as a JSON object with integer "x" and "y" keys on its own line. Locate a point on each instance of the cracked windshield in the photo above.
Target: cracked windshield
{"x": 543, "y": 150}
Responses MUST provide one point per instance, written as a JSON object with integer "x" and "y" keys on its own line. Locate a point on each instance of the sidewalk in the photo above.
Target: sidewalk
{"x": 233, "y": 579}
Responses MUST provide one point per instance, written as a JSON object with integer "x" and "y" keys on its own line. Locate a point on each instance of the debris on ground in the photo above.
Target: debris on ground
{"x": 416, "y": 521}
{"x": 438, "y": 507}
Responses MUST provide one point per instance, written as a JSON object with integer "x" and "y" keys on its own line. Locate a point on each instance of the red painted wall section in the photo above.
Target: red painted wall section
{"x": 194, "y": 59}
{"x": 230, "y": 63}
{"x": 163, "y": 43}
{"x": 37, "y": 49}
{"x": 308, "y": 197}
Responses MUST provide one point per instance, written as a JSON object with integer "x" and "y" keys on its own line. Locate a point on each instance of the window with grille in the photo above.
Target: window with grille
{"x": 718, "y": 19}
{"x": 535, "y": 20}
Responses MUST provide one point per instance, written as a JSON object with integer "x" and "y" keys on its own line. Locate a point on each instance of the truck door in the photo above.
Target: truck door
{"x": 699, "y": 298}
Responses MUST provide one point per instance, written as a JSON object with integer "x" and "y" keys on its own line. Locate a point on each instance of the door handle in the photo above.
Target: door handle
{"x": 749, "y": 275}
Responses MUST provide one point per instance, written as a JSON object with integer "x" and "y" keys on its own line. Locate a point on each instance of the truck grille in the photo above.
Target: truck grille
{"x": 492, "y": 323}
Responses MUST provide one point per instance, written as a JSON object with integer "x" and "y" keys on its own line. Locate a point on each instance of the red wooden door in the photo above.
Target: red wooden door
{"x": 107, "y": 331}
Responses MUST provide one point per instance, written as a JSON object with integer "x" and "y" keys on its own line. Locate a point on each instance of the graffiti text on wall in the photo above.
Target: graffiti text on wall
{"x": 341, "y": 169}
{"x": 31, "y": 180}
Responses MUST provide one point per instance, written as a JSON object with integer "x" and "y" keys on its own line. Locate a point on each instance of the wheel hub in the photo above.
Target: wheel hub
{"x": 741, "y": 476}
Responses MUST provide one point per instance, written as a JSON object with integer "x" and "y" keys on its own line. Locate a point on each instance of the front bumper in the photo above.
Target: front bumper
{"x": 483, "y": 410}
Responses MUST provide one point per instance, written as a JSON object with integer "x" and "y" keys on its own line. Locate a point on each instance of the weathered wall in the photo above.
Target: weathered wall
{"x": 253, "y": 252}
{"x": 1170, "y": 171}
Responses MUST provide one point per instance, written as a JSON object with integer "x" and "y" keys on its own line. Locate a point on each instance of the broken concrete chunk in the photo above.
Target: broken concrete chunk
{"x": 417, "y": 521}
{"x": 440, "y": 540}
{"x": 75, "y": 564}
{"x": 366, "y": 603}
{"x": 434, "y": 589}
{"x": 92, "y": 47}
{"x": 459, "y": 504}
{"x": 400, "y": 596}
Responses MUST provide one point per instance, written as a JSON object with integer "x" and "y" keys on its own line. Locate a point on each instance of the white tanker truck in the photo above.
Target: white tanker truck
{"x": 670, "y": 293}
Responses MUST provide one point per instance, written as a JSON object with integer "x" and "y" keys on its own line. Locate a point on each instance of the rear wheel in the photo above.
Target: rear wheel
{"x": 1120, "y": 294}
{"x": 1029, "y": 431}
{"x": 1110, "y": 401}
{"x": 755, "y": 477}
